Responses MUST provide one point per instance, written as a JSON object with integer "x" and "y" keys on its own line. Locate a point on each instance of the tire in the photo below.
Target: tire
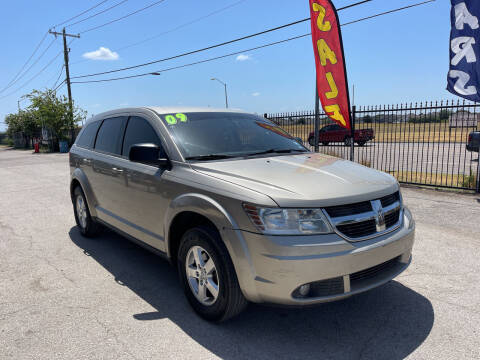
{"x": 229, "y": 300}
{"x": 325, "y": 143}
{"x": 347, "y": 141}
{"x": 87, "y": 226}
{"x": 361, "y": 143}
{"x": 311, "y": 141}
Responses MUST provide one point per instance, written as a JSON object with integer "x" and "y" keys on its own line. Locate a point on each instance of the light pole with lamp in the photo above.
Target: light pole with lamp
{"x": 225, "y": 86}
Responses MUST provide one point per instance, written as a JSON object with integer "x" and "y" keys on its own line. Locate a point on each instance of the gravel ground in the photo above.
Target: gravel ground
{"x": 66, "y": 297}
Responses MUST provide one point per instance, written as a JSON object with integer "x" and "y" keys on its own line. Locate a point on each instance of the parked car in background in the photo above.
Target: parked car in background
{"x": 473, "y": 143}
{"x": 337, "y": 134}
{"x": 243, "y": 210}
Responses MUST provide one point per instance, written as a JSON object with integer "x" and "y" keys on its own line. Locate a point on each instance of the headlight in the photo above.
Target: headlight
{"x": 277, "y": 221}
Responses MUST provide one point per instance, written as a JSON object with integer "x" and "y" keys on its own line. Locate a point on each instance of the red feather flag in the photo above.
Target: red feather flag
{"x": 332, "y": 82}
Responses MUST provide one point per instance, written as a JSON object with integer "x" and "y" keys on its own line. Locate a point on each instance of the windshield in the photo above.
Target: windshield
{"x": 210, "y": 135}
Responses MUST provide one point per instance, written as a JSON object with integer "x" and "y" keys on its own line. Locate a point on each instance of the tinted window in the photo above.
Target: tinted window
{"x": 139, "y": 131}
{"x": 87, "y": 138}
{"x": 232, "y": 134}
{"x": 109, "y": 137}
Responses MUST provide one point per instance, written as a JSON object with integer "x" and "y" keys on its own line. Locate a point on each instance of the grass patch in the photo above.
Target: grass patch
{"x": 435, "y": 179}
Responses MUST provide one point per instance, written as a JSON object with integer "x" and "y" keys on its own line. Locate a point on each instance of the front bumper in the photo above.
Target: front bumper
{"x": 274, "y": 267}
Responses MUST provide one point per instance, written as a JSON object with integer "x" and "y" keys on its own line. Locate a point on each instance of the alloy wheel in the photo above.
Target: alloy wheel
{"x": 81, "y": 211}
{"x": 202, "y": 275}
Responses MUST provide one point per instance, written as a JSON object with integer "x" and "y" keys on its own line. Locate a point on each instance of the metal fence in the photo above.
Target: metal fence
{"x": 421, "y": 143}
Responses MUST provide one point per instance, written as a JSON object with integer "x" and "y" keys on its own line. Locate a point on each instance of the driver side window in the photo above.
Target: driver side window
{"x": 139, "y": 131}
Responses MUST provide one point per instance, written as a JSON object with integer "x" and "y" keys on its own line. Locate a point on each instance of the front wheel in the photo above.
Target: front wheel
{"x": 207, "y": 275}
{"x": 311, "y": 141}
{"x": 87, "y": 226}
{"x": 348, "y": 141}
{"x": 361, "y": 143}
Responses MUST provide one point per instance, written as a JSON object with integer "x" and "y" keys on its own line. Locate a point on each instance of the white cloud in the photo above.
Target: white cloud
{"x": 102, "y": 53}
{"x": 243, "y": 57}
{"x": 256, "y": 94}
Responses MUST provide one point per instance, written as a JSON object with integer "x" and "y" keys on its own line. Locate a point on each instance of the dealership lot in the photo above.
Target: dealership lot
{"x": 63, "y": 296}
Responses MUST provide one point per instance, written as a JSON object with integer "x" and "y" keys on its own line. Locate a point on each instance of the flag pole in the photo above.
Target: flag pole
{"x": 317, "y": 114}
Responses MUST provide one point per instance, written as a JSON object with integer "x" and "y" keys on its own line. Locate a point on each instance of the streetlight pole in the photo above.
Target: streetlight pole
{"x": 225, "y": 86}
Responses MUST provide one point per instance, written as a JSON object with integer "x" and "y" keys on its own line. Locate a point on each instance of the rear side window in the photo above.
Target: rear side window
{"x": 139, "y": 131}
{"x": 87, "y": 138}
{"x": 109, "y": 137}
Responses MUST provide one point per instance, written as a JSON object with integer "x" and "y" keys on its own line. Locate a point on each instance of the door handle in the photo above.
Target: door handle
{"x": 117, "y": 170}
{"x": 87, "y": 161}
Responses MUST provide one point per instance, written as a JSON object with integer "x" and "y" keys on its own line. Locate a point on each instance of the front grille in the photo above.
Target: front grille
{"x": 390, "y": 199}
{"x": 375, "y": 272}
{"x": 392, "y": 218}
{"x": 364, "y": 228}
{"x": 359, "y": 221}
{"x": 351, "y": 209}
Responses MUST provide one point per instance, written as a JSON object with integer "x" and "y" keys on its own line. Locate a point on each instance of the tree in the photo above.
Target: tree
{"x": 53, "y": 112}
{"x": 46, "y": 110}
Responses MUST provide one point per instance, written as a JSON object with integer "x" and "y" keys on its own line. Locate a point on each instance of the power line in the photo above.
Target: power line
{"x": 175, "y": 28}
{"x": 212, "y": 46}
{"x": 123, "y": 17}
{"x": 182, "y": 25}
{"x": 59, "y": 75}
{"x": 26, "y": 71}
{"x": 390, "y": 11}
{"x": 197, "y": 62}
{"x": 98, "y": 13}
{"x": 26, "y": 62}
{"x": 59, "y": 86}
{"x": 247, "y": 50}
{"x": 36, "y": 75}
{"x": 82, "y": 13}
{"x": 17, "y": 77}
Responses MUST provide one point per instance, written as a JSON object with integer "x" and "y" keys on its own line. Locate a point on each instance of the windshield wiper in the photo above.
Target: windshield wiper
{"x": 210, "y": 157}
{"x": 275, "y": 151}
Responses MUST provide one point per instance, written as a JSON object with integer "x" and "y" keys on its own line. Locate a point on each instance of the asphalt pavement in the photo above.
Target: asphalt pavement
{"x": 63, "y": 296}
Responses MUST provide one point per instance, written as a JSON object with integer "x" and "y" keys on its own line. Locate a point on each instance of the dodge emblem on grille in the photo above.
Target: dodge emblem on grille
{"x": 379, "y": 215}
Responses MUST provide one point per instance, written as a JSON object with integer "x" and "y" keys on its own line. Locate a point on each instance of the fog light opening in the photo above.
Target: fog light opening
{"x": 304, "y": 290}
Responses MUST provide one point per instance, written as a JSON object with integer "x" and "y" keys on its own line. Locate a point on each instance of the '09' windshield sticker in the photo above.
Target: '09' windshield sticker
{"x": 174, "y": 119}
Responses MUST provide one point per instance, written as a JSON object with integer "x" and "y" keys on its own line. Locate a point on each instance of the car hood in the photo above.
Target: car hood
{"x": 307, "y": 180}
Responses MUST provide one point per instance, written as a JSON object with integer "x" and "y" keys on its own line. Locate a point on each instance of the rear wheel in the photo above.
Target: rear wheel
{"x": 348, "y": 141}
{"x": 87, "y": 226}
{"x": 361, "y": 143}
{"x": 325, "y": 143}
{"x": 207, "y": 275}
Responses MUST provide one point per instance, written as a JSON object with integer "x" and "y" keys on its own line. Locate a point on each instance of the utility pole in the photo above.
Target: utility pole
{"x": 67, "y": 71}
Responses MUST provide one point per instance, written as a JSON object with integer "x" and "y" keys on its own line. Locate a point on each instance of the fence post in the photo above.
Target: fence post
{"x": 317, "y": 120}
{"x": 352, "y": 142}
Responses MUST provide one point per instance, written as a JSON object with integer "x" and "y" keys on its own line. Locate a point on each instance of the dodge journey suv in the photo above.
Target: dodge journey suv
{"x": 239, "y": 206}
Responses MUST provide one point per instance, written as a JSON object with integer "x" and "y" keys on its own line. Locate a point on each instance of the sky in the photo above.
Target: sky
{"x": 397, "y": 58}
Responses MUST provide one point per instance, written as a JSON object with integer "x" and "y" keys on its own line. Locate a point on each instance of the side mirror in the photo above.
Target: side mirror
{"x": 147, "y": 154}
